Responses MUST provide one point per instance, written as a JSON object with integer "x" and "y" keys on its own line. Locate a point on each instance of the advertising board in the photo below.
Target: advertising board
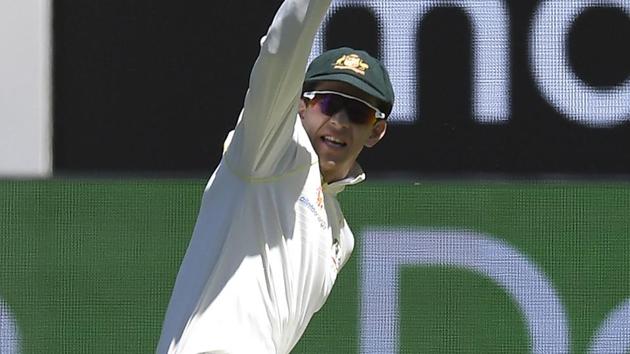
{"x": 529, "y": 267}
{"x": 491, "y": 87}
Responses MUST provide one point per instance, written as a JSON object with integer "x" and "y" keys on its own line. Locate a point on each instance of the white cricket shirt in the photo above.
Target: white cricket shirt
{"x": 270, "y": 237}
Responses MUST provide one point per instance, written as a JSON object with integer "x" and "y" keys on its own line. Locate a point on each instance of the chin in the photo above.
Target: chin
{"x": 327, "y": 165}
{"x": 332, "y": 168}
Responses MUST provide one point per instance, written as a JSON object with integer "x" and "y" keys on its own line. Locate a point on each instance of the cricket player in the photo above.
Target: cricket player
{"x": 270, "y": 237}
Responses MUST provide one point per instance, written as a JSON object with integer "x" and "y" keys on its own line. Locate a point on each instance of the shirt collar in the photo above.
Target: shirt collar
{"x": 356, "y": 175}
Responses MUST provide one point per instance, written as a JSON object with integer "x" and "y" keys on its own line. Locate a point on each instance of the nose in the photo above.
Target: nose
{"x": 340, "y": 118}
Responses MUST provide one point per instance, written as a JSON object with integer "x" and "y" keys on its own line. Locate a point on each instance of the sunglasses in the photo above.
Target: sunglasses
{"x": 330, "y": 103}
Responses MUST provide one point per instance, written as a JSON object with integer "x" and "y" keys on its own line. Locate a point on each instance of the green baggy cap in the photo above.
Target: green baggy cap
{"x": 357, "y": 68}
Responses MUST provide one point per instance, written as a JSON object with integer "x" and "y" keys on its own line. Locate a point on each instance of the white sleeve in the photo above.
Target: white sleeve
{"x": 266, "y": 123}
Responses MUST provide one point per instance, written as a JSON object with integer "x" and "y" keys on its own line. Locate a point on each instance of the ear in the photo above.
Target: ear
{"x": 302, "y": 108}
{"x": 378, "y": 131}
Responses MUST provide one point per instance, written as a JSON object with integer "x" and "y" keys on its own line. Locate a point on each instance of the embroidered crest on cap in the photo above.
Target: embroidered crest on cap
{"x": 352, "y": 62}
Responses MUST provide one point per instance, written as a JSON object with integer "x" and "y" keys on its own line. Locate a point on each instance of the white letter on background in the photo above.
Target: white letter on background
{"x": 384, "y": 251}
{"x": 613, "y": 336}
{"x": 9, "y": 338}
{"x": 586, "y": 105}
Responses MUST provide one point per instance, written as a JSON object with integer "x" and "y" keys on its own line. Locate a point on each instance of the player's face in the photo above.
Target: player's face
{"x": 338, "y": 134}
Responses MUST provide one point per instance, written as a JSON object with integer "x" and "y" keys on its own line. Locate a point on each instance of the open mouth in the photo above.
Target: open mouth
{"x": 333, "y": 142}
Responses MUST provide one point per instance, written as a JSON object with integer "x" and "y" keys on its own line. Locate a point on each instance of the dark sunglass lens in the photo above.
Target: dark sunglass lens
{"x": 330, "y": 104}
{"x": 359, "y": 113}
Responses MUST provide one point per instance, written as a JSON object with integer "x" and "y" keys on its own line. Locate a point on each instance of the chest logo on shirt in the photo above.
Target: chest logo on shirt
{"x": 320, "y": 198}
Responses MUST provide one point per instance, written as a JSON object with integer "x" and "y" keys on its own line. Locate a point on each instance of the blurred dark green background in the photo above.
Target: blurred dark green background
{"x": 87, "y": 265}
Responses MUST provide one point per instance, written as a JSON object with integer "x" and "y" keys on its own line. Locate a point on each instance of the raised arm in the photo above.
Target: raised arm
{"x": 268, "y": 116}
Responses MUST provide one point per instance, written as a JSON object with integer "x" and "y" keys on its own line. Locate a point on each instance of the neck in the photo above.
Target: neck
{"x": 334, "y": 175}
